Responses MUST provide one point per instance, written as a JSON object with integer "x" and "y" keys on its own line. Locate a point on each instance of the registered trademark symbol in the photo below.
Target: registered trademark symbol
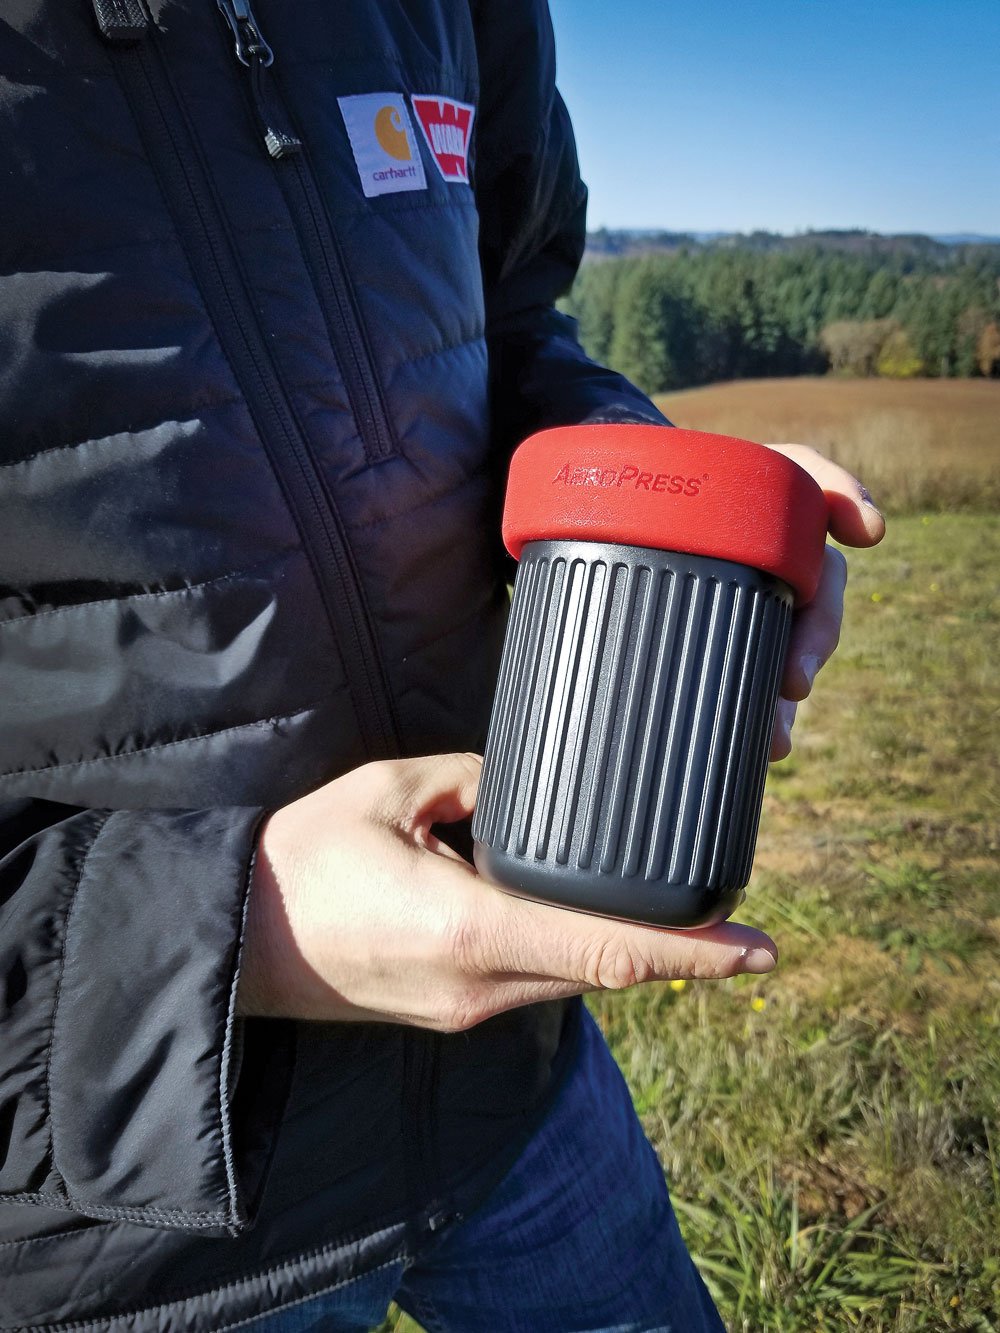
{"x": 704, "y": 476}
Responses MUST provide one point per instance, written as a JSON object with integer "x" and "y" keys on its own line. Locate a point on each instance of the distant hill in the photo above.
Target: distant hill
{"x": 607, "y": 243}
{"x": 968, "y": 238}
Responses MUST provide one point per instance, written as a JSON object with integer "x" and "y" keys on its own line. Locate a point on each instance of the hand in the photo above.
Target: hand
{"x": 854, "y": 521}
{"x": 358, "y": 912}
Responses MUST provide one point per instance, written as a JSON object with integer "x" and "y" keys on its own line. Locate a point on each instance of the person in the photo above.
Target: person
{"x": 278, "y": 301}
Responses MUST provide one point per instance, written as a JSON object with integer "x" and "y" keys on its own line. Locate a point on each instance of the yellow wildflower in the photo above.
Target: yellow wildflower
{"x": 758, "y": 1004}
{"x": 678, "y": 984}
{"x": 876, "y": 596}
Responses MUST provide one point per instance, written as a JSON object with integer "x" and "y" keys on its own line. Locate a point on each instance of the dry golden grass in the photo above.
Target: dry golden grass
{"x": 927, "y": 445}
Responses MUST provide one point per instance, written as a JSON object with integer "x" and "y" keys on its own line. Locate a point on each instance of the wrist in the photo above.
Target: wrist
{"x": 280, "y": 967}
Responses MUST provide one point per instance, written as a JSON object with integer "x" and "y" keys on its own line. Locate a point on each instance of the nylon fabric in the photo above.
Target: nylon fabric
{"x": 253, "y": 433}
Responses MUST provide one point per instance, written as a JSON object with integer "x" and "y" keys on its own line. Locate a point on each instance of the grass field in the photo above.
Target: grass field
{"x": 932, "y": 445}
{"x": 832, "y": 1131}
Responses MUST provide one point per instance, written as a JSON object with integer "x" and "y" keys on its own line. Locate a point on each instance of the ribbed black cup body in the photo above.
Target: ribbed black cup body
{"x": 625, "y": 765}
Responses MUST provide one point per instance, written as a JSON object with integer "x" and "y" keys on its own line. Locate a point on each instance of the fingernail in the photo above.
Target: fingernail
{"x": 866, "y": 496}
{"x": 810, "y": 668}
{"x": 788, "y": 720}
{"x": 758, "y": 960}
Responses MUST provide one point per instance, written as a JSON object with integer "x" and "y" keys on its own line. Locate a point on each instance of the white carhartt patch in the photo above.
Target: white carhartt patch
{"x": 383, "y": 143}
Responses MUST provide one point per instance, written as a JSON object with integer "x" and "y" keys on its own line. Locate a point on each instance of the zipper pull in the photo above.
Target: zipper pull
{"x": 121, "y": 21}
{"x": 253, "y": 52}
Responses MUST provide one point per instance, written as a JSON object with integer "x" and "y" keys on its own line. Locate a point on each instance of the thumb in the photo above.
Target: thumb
{"x": 854, "y": 519}
{"x": 526, "y": 938}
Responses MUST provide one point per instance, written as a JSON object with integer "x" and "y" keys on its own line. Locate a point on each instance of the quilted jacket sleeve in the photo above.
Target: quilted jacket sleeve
{"x": 532, "y": 207}
{"x": 119, "y": 941}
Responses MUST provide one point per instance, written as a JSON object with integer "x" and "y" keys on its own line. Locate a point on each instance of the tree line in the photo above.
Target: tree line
{"x": 691, "y": 317}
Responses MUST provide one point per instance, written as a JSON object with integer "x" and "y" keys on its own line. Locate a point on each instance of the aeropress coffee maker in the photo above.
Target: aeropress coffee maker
{"x": 628, "y": 745}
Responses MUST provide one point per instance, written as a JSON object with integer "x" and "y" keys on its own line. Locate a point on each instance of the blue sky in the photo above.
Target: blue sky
{"x": 786, "y": 114}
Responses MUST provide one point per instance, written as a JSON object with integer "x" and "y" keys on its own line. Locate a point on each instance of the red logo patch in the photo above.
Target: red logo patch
{"x": 447, "y": 127}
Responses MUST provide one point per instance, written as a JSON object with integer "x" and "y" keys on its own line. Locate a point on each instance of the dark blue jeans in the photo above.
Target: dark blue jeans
{"x": 579, "y": 1237}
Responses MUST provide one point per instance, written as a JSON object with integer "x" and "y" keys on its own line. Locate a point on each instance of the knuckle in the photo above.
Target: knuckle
{"x": 373, "y": 782}
{"x": 379, "y": 771}
{"x": 616, "y": 965}
{"x": 464, "y": 1008}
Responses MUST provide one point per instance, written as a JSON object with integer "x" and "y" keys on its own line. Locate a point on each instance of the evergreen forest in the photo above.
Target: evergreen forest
{"x": 695, "y": 314}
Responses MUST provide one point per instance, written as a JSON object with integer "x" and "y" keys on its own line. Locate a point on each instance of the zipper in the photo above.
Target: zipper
{"x": 253, "y": 52}
{"x": 209, "y": 248}
{"x": 349, "y": 339}
{"x": 317, "y": 236}
{"x": 201, "y": 222}
{"x": 121, "y": 20}
{"x": 419, "y": 1082}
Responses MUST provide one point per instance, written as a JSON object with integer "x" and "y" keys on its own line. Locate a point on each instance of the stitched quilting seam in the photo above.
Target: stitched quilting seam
{"x": 248, "y": 1280}
{"x": 176, "y": 156}
{"x": 233, "y": 574}
{"x": 220, "y": 342}
{"x": 20, "y": 1242}
{"x": 225, "y": 1063}
{"x": 195, "y": 408}
{"x": 191, "y": 1220}
{"x": 164, "y": 745}
{"x": 49, "y": 1118}
{"x": 413, "y": 358}
{"x": 430, "y": 353}
{"x": 314, "y": 1295}
{"x": 475, "y": 475}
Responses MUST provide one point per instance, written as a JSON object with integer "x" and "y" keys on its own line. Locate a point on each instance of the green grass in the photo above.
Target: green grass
{"x": 831, "y": 1131}
{"x": 835, "y": 1152}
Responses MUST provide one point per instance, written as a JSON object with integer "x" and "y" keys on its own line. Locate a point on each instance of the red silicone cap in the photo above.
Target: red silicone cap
{"x": 675, "y": 490}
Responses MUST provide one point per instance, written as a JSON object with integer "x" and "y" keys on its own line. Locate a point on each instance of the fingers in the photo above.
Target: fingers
{"x": 816, "y": 629}
{"x": 781, "y": 736}
{"x": 854, "y": 519}
{"x": 814, "y": 638}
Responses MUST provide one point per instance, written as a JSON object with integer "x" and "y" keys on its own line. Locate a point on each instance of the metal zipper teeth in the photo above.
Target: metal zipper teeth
{"x": 212, "y": 255}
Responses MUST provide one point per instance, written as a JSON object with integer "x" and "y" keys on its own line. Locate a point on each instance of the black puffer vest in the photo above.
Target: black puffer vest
{"x": 268, "y": 330}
